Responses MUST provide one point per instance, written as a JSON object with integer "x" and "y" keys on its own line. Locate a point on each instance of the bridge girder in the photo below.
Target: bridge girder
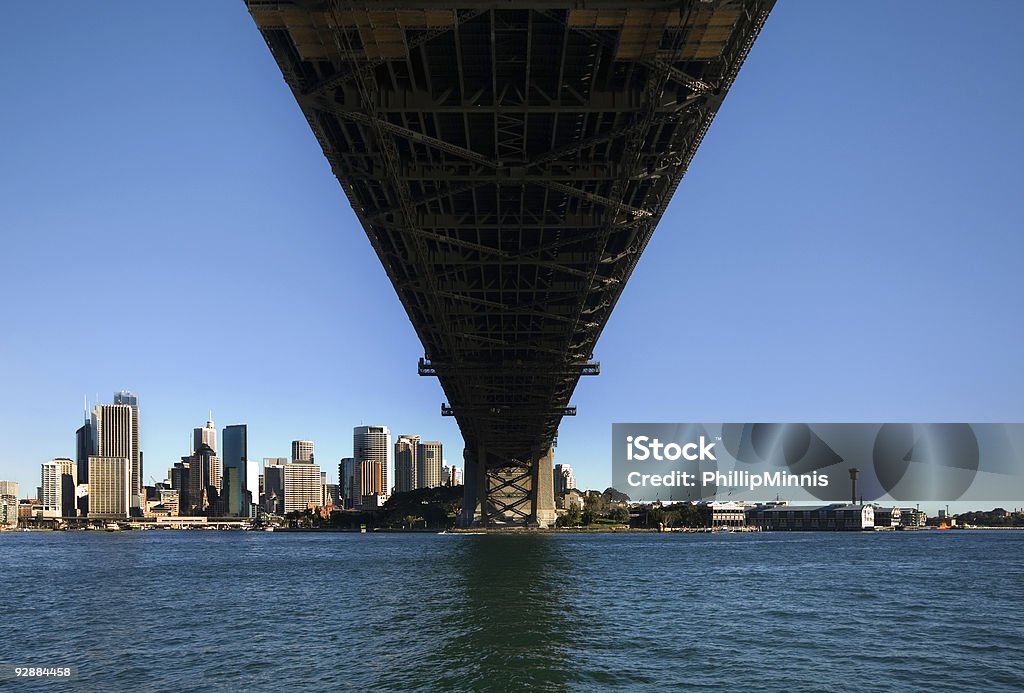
{"x": 509, "y": 161}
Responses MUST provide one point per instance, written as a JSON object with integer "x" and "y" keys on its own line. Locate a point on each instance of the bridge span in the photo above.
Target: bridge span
{"x": 509, "y": 161}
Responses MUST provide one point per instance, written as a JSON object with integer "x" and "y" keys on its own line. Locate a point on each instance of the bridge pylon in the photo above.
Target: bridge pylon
{"x": 506, "y": 493}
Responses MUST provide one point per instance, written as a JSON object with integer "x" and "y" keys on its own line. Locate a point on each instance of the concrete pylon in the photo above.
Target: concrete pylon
{"x": 543, "y": 491}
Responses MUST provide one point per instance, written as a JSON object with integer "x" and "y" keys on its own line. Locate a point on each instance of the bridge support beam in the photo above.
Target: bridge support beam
{"x": 507, "y": 492}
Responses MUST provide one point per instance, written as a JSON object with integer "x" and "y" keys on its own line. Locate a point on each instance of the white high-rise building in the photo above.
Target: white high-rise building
{"x": 302, "y": 486}
{"x": 429, "y": 463}
{"x": 372, "y": 443}
{"x": 49, "y": 498}
{"x": 405, "y": 463}
{"x": 204, "y": 436}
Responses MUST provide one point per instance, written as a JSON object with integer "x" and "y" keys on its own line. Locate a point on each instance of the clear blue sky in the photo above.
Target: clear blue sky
{"x": 846, "y": 245}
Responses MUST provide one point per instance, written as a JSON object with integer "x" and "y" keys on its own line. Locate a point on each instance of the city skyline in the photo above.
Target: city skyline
{"x": 864, "y": 246}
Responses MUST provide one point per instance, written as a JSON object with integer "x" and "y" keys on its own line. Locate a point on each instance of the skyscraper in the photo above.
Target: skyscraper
{"x": 302, "y": 451}
{"x": 346, "y": 480}
{"x": 428, "y": 464}
{"x": 234, "y": 460}
{"x": 405, "y": 463}
{"x": 130, "y": 399}
{"x": 110, "y": 480}
{"x": 372, "y": 443}
{"x": 49, "y": 498}
{"x": 302, "y": 486}
{"x": 207, "y": 435}
{"x": 113, "y": 431}
{"x": 204, "y": 477}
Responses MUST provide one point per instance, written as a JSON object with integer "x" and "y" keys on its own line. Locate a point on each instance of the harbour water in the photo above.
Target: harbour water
{"x": 208, "y": 610}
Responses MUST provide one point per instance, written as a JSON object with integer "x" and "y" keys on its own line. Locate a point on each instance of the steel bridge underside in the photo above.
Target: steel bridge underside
{"x": 509, "y": 162}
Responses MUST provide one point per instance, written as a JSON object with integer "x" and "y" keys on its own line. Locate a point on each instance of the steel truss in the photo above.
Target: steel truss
{"x": 509, "y": 162}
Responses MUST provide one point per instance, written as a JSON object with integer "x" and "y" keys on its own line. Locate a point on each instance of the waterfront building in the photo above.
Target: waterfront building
{"x": 912, "y": 517}
{"x": 888, "y": 518}
{"x": 564, "y": 479}
{"x": 8, "y": 504}
{"x": 372, "y": 443}
{"x": 302, "y": 451}
{"x": 833, "y": 517}
{"x": 428, "y": 464}
{"x": 405, "y": 463}
{"x": 302, "y": 486}
{"x": 722, "y": 514}
{"x": 49, "y": 490}
{"x": 235, "y": 491}
{"x": 110, "y": 480}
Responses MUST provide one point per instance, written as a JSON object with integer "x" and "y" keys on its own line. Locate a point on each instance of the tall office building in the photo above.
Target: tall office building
{"x": 204, "y": 481}
{"x": 235, "y": 488}
{"x": 130, "y": 399}
{"x": 428, "y": 464}
{"x": 114, "y": 437}
{"x": 110, "y": 480}
{"x": 564, "y": 479}
{"x": 207, "y": 435}
{"x": 346, "y": 480}
{"x": 8, "y": 504}
{"x": 405, "y": 463}
{"x": 372, "y": 443}
{"x": 302, "y": 486}
{"x": 49, "y": 495}
{"x": 302, "y": 451}
{"x": 68, "y": 486}
{"x": 368, "y": 475}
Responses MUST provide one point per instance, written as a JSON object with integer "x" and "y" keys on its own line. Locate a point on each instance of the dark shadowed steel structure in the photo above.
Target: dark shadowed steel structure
{"x": 509, "y": 161}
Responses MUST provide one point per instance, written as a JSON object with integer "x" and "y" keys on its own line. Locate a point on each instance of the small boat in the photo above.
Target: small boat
{"x": 112, "y": 527}
{"x": 268, "y": 529}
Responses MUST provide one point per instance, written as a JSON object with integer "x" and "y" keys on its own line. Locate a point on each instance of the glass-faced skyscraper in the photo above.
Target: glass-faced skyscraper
{"x": 234, "y": 457}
